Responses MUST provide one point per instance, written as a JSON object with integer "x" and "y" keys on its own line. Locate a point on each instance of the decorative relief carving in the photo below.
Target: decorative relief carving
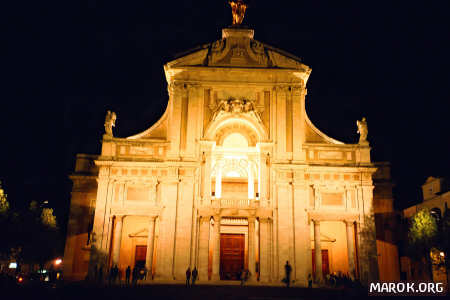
{"x": 218, "y": 46}
{"x": 141, "y": 150}
{"x": 258, "y": 50}
{"x": 330, "y": 155}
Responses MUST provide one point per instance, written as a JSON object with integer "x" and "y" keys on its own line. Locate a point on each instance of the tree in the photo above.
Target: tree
{"x": 443, "y": 246}
{"x": 422, "y": 236}
{"x": 4, "y": 204}
{"x": 41, "y": 235}
{"x": 8, "y": 226}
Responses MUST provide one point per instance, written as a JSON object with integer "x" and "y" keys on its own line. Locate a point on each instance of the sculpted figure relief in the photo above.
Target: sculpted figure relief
{"x": 362, "y": 130}
{"x": 235, "y": 106}
{"x": 110, "y": 122}
{"x": 238, "y": 8}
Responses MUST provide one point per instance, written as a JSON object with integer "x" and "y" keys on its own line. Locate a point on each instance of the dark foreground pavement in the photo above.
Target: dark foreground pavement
{"x": 175, "y": 292}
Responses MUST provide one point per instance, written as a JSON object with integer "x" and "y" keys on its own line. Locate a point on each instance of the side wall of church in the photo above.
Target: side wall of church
{"x": 386, "y": 224}
{"x": 82, "y": 207}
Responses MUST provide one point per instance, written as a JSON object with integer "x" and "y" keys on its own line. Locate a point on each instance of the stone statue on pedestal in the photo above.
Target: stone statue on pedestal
{"x": 110, "y": 122}
{"x": 362, "y": 130}
{"x": 238, "y": 8}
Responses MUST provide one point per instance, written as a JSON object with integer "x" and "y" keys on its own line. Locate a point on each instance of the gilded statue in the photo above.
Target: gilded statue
{"x": 238, "y": 8}
{"x": 110, "y": 122}
{"x": 362, "y": 130}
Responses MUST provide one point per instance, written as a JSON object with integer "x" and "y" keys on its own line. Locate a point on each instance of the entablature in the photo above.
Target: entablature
{"x": 330, "y": 215}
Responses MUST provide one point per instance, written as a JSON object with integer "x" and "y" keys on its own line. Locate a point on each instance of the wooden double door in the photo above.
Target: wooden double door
{"x": 325, "y": 263}
{"x": 232, "y": 251}
{"x": 139, "y": 256}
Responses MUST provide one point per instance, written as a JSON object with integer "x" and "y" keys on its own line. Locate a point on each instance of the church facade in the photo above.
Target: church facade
{"x": 234, "y": 176}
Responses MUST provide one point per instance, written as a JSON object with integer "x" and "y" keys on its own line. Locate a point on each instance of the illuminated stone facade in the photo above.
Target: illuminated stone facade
{"x": 234, "y": 158}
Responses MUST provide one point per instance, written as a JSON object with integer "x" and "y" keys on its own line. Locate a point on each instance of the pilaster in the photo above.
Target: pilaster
{"x": 216, "y": 249}
{"x": 150, "y": 247}
{"x": 184, "y": 226}
{"x": 265, "y": 249}
{"x": 203, "y": 255}
{"x": 317, "y": 252}
{"x": 302, "y": 243}
{"x": 251, "y": 248}
{"x": 166, "y": 243}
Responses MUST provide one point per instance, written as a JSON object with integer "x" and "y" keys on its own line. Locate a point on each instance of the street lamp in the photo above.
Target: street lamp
{"x": 58, "y": 261}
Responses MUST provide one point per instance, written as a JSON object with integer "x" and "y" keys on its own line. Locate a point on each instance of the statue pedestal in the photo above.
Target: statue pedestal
{"x": 237, "y": 33}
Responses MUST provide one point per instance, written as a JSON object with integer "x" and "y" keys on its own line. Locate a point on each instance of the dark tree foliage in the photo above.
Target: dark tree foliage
{"x": 422, "y": 237}
{"x": 30, "y": 237}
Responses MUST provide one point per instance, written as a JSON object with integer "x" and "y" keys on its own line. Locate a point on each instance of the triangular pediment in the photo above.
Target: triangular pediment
{"x": 140, "y": 233}
{"x": 237, "y": 48}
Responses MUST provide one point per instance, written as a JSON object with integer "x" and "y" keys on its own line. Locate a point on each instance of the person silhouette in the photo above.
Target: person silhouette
{"x": 287, "y": 270}
{"x": 194, "y": 275}
{"x": 188, "y": 276}
{"x": 127, "y": 275}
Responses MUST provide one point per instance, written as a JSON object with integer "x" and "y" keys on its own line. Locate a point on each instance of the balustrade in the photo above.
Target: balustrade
{"x": 235, "y": 203}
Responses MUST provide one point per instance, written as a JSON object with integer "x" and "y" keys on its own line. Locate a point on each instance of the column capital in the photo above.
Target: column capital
{"x": 204, "y": 219}
{"x": 349, "y": 223}
{"x": 315, "y": 221}
{"x": 119, "y": 218}
{"x": 264, "y": 219}
{"x": 251, "y": 219}
{"x": 152, "y": 218}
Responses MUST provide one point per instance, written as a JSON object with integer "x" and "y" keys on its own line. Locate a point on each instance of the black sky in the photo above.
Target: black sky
{"x": 64, "y": 63}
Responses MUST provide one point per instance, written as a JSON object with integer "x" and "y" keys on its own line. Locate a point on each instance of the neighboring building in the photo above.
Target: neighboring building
{"x": 436, "y": 198}
{"x": 234, "y": 175}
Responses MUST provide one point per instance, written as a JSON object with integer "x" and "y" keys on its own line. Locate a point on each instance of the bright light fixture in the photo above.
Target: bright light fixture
{"x": 13, "y": 265}
{"x": 58, "y": 261}
{"x": 442, "y": 254}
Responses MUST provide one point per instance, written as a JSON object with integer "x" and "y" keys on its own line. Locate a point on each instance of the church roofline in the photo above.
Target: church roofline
{"x": 149, "y": 130}
{"x": 320, "y": 133}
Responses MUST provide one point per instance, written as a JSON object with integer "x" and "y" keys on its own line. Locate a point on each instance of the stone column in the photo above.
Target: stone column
{"x": 117, "y": 240}
{"x": 218, "y": 192}
{"x": 317, "y": 251}
{"x": 251, "y": 248}
{"x": 262, "y": 182}
{"x": 251, "y": 183}
{"x": 216, "y": 249}
{"x": 150, "y": 245}
{"x": 203, "y": 255}
{"x": 207, "y": 180}
{"x": 350, "y": 248}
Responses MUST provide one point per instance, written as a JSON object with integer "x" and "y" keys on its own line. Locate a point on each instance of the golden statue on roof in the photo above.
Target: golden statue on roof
{"x": 238, "y": 8}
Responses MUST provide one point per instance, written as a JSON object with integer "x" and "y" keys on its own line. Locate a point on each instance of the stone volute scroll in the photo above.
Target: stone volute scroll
{"x": 110, "y": 122}
{"x": 238, "y": 8}
{"x": 362, "y": 130}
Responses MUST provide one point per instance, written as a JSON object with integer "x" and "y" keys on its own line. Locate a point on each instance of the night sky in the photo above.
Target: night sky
{"x": 64, "y": 63}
